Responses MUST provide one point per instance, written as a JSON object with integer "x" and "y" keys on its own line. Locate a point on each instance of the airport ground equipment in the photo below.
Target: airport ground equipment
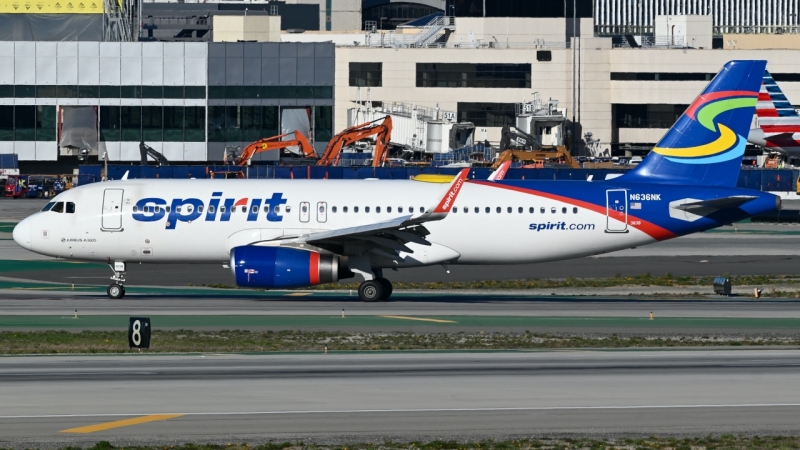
{"x": 722, "y": 286}
{"x": 16, "y": 186}
{"x": 513, "y": 138}
{"x": 276, "y": 143}
{"x": 560, "y": 153}
{"x": 145, "y": 151}
{"x": 381, "y": 131}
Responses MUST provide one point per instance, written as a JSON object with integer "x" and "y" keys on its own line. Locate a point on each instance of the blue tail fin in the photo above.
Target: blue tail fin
{"x": 706, "y": 144}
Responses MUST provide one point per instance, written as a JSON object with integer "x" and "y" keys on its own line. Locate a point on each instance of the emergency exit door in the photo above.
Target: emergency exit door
{"x": 112, "y": 209}
{"x": 616, "y": 211}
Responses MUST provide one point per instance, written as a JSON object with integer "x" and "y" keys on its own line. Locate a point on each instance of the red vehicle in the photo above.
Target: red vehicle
{"x": 16, "y": 186}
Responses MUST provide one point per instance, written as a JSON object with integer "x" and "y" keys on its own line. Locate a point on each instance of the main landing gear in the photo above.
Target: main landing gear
{"x": 378, "y": 289}
{"x": 117, "y": 289}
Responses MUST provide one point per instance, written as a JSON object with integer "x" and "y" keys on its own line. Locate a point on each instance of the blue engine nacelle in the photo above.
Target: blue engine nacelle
{"x": 279, "y": 267}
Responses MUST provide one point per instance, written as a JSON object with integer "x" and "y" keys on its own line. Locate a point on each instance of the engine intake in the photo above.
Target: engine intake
{"x": 279, "y": 267}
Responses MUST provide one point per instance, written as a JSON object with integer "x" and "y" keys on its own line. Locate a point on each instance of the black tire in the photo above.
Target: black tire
{"x": 387, "y": 288}
{"x": 123, "y": 291}
{"x": 370, "y": 291}
{"x": 115, "y": 291}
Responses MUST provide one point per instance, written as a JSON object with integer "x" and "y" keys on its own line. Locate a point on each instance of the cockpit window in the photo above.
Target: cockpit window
{"x": 58, "y": 207}
{"x": 48, "y": 206}
{"x": 70, "y": 208}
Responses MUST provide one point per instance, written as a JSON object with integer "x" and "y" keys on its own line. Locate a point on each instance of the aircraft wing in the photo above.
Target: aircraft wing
{"x": 387, "y": 237}
{"x": 717, "y": 203}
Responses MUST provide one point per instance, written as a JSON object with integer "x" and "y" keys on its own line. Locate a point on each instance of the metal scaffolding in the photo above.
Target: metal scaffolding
{"x": 613, "y": 17}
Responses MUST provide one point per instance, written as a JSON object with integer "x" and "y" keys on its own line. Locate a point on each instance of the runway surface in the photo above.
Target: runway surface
{"x": 398, "y": 395}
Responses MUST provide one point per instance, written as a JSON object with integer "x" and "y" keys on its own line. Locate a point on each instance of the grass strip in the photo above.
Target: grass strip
{"x": 569, "y": 282}
{"x": 725, "y": 441}
{"x": 243, "y": 341}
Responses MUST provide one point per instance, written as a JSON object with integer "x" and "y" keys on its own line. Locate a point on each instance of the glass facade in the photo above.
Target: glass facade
{"x": 152, "y": 123}
{"x": 242, "y": 123}
{"x": 51, "y": 91}
{"x": 323, "y": 123}
{"x": 662, "y": 76}
{"x": 487, "y": 114}
{"x": 27, "y": 123}
{"x": 520, "y": 8}
{"x": 272, "y": 92}
{"x": 647, "y": 115}
{"x": 366, "y": 74}
{"x": 473, "y": 75}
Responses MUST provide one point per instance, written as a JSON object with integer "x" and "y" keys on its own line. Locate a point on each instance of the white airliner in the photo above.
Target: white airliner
{"x": 298, "y": 233}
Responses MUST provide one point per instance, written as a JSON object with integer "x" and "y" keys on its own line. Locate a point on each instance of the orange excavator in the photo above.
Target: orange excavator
{"x": 382, "y": 132}
{"x": 275, "y": 143}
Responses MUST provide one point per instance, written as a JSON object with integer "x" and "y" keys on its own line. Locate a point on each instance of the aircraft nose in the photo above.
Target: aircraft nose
{"x": 22, "y": 234}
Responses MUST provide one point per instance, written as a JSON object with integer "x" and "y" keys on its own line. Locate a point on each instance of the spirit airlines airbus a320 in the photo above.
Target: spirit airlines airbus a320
{"x": 297, "y": 233}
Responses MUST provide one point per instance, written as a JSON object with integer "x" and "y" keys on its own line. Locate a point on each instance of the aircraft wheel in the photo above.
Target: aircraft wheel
{"x": 371, "y": 291}
{"x": 115, "y": 291}
{"x": 387, "y": 288}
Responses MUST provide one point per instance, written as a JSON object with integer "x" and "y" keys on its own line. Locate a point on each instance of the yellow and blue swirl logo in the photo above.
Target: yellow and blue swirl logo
{"x": 705, "y": 111}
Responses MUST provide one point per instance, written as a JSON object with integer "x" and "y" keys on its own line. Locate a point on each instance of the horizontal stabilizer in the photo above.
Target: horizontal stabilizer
{"x": 717, "y": 203}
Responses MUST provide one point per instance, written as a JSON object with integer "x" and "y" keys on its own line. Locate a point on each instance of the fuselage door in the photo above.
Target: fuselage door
{"x": 112, "y": 209}
{"x": 322, "y": 212}
{"x": 305, "y": 211}
{"x": 616, "y": 211}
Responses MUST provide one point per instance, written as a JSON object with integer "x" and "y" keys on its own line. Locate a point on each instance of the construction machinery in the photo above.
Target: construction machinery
{"x": 537, "y": 158}
{"x": 275, "y": 143}
{"x": 382, "y": 132}
{"x": 145, "y": 151}
{"x": 513, "y": 138}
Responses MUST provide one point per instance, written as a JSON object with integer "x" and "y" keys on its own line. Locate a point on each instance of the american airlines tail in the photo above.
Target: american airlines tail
{"x": 778, "y": 121}
{"x": 706, "y": 144}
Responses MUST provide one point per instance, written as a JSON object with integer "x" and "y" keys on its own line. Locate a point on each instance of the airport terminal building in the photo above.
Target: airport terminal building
{"x": 191, "y": 95}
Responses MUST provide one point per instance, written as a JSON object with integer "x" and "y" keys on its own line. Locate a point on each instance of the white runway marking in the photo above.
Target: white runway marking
{"x": 421, "y": 410}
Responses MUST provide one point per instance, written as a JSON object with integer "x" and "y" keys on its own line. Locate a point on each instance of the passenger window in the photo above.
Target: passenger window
{"x": 211, "y": 209}
{"x": 466, "y": 210}
{"x": 304, "y": 208}
{"x": 542, "y": 209}
{"x": 455, "y": 209}
{"x": 221, "y": 209}
{"x": 488, "y": 210}
{"x": 355, "y": 208}
{"x": 411, "y": 209}
{"x": 266, "y": 208}
{"x": 400, "y": 209}
{"x": 49, "y": 205}
{"x": 531, "y": 210}
{"x": 277, "y": 209}
{"x": 377, "y": 209}
{"x": 288, "y": 209}
{"x": 70, "y": 208}
{"x": 158, "y": 209}
{"x": 366, "y": 209}
{"x": 333, "y": 208}
{"x": 388, "y": 209}
{"x": 477, "y": 210}
{"x": 178, "y": 209}
{"x": 188, "y": 209}
{"x": 167, "y": 208}
{"x": 499, "y": 209}
{"x": 564, "y": 210}
{"x": 58, "y": 207}
{"x": 344, "y": 208}
{"x": 254, "y": 209}
{"x": 200, "y": 209}
{"x": 244, "y": 208}
{"x": 552, "y": 209}
{"x": 135, "y": 208}
{"x": 509, "y": 210}
{"x": 519, "y": 210}
{"x": 321, "y": 209}
{"x": 574, "y": 210}
{"x": 421, "y": 209}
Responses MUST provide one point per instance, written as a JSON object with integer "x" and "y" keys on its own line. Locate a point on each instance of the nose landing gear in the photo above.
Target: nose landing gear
{"x": 117, "y": 289}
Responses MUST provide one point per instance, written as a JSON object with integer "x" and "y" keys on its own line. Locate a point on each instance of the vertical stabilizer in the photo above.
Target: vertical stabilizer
{"x": 706, "y": 144}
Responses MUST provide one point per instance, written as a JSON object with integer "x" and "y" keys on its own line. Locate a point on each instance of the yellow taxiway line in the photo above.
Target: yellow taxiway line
{"x": 421, "y": 319}
{"x": 121, "y": 423}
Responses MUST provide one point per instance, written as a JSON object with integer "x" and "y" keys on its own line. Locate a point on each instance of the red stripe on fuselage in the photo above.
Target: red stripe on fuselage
{"x": 794, "y": 128}
{"x": 653, "y": 230}
{"x": 313, "y": 268}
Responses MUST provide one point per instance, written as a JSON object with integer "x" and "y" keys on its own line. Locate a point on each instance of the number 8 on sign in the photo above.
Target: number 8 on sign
{"x": 139, "y": 332}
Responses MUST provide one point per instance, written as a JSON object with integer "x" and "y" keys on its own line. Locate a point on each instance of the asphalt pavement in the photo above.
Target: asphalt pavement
{"x": 219, "y": 398}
